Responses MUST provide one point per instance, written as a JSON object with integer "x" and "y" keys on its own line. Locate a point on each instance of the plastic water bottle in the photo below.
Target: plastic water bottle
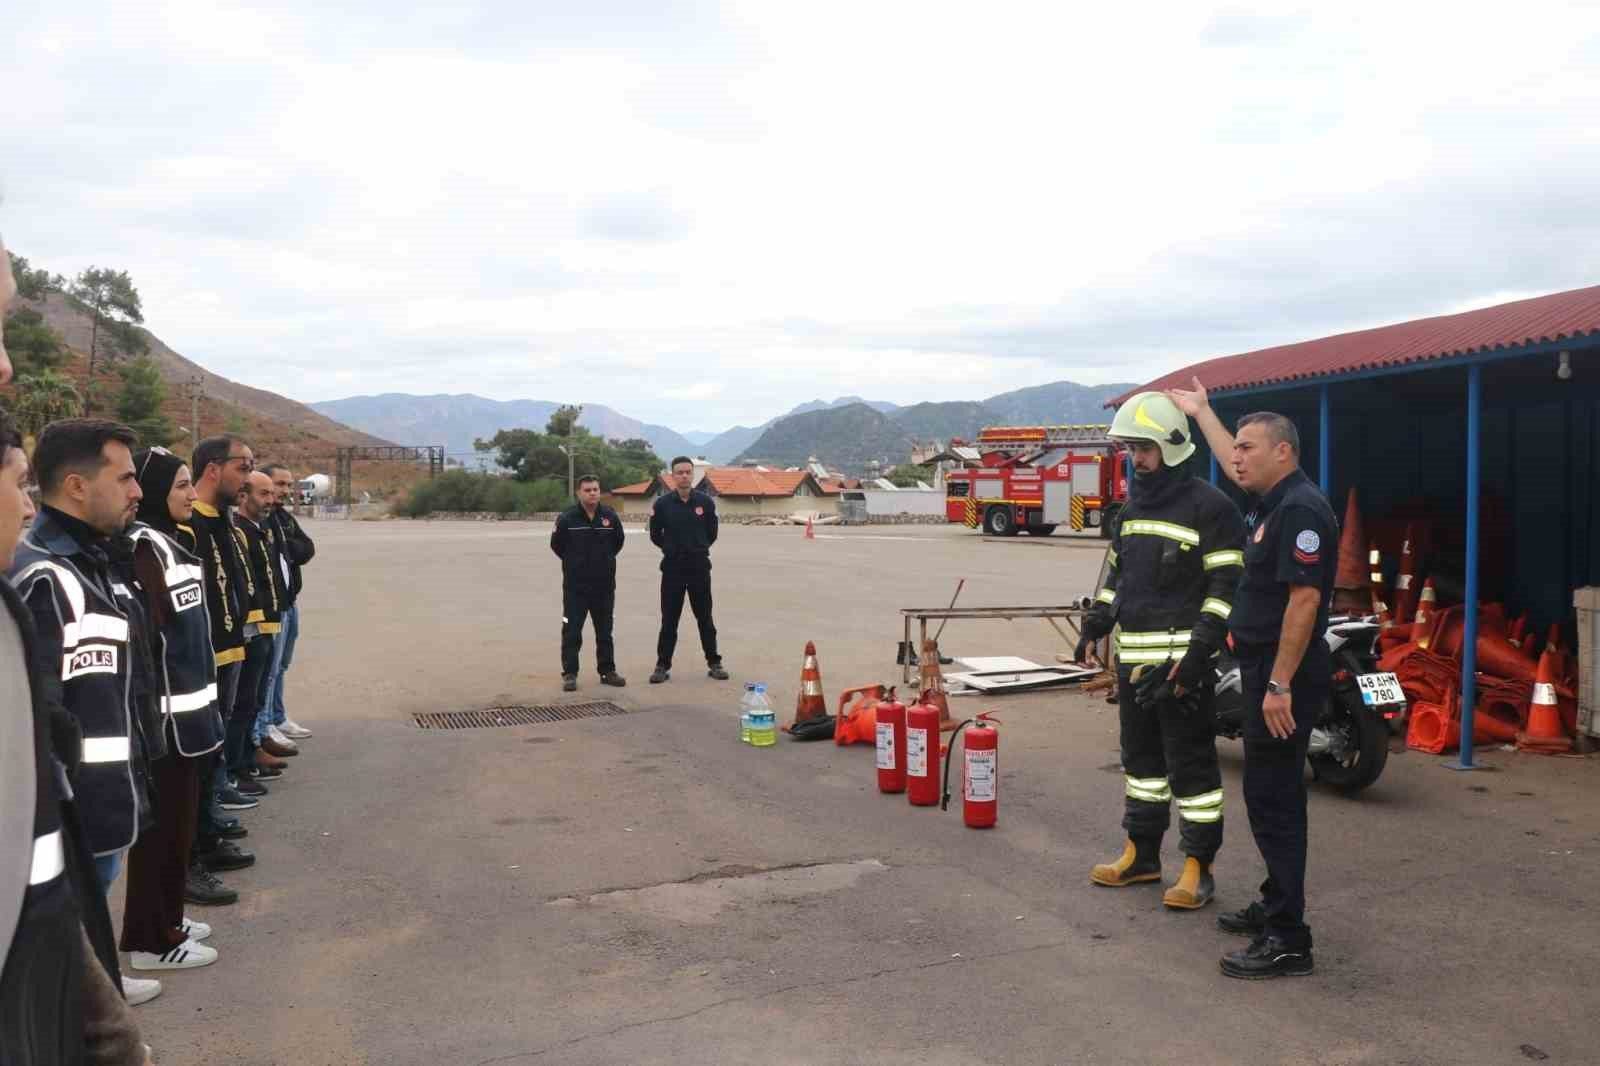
{"x": 763, "y": 720}
{"x": 746, "y": 704}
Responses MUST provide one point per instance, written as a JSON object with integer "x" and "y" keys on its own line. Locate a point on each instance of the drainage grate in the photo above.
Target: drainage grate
{"x": 499, "y": 716}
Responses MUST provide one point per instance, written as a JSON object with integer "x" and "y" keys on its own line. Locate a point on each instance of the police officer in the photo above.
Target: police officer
{"x": 587, "y": 539}
{"x": 1280, "y": 614}
{"x": 1174, "y": 561}
{"x": 683, "y": 524}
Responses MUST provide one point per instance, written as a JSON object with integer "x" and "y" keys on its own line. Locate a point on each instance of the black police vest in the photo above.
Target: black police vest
{"x": 186, "y": 666}
{"x": 95, "y": 680}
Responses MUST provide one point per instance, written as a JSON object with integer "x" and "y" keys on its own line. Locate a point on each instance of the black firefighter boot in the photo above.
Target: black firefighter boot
{"x": 1194, "y": 887}
{"x": 1140, "y": 861}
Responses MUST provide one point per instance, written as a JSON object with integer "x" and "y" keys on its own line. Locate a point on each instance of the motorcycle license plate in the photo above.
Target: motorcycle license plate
{"x": 1379, "y": 689}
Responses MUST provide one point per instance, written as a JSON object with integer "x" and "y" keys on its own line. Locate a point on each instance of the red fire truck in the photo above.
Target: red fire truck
{"x": 1034, "y": 478}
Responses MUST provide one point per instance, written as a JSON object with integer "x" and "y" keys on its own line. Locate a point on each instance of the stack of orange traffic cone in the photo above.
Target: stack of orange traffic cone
{"x": 1422, "y": 623}
{"x": 1380, "y": 596}
{"x": 810, "y": 533}
{"x": 1404, "y": 585}
{"x": 809, "y": 704}
{"x": 1544, "y": 733}
{"x": 932, "y": 691}
{"x": 1351, "y": 580}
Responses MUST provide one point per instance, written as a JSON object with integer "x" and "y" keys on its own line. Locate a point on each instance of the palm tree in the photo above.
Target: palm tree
{"x": 44, "y": 397}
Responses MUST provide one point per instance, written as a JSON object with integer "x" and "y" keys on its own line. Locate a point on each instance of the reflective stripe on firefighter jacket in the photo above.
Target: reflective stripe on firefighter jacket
{"x": 1174, "y": 562}
{"x": 185, "y": 665}
{"x": 82, "y": 654}
{"x": 228, "y": 586}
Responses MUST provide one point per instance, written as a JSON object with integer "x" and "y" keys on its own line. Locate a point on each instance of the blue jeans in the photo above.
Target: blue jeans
{"x": 106, "y": 868}
{"x": 271, "y": 691}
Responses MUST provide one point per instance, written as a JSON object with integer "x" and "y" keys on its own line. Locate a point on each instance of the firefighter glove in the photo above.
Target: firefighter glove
{"x": 1150, "y": 685}
{"x": 1196, "y": 668}
{"x": 1097, "y": 622}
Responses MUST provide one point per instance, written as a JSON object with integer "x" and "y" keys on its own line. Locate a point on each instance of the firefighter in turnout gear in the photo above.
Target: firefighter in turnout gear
{"x": 1175, "y": 558}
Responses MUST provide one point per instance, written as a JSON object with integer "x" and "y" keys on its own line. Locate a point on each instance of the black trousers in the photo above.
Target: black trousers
{"x": 246, "y": 703}
{"x": 1275, "y": 783}
{"x": 1169, "y": 753}
{"x": 158, "y": 863}
{"x": 674, "y": 587}
{"x": 214, "y": 772}
{"x": 599, "y": 604}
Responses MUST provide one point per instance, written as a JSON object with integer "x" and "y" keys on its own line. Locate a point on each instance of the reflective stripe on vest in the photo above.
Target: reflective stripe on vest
{"x": 94, "y": 626}
{"x": 49, "y": 859}
{"x": 105, "y": 749}
{"x": 1152, "y": 528}
{"x": 1152, "y": 647}
{"x": 1106, "y": 596}
{"x": 1221, "y": 608}
{"x": 190, "y": 701}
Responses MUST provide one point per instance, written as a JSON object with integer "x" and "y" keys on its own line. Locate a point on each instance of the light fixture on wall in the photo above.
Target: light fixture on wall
{"x": 1564, "y": 367}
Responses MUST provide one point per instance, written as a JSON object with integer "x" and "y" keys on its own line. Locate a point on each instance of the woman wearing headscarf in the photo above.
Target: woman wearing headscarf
{"x": 171, "y": 591}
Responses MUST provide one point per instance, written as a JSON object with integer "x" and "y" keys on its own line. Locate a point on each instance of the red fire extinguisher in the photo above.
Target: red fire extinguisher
{"x": 922, "y": 755}
{"x": 980, "y": 777}
{"x": 891, "y": 745}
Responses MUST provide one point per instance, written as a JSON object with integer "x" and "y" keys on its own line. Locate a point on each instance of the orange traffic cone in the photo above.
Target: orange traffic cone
{"x": 1544, "y": 733}
{"x": 1490, "y": 728}
{"x": 1433, "y": 727}
{"x": 809, "y": 704}
{"x": 1380, "y": 596}
{"x": 1404, "y": 590}
{"x": 1498, "y": 656}
{"x": 1422, "y": 624}
{"x": 1352, "y": 577}
{"x": 810, "y": 533}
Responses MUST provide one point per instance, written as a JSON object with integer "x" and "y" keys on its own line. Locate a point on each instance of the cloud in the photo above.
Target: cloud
{"x": 604, "y": 201}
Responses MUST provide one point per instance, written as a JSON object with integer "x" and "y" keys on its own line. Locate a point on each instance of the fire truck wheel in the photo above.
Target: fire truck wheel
{"x": 997, "y": 522}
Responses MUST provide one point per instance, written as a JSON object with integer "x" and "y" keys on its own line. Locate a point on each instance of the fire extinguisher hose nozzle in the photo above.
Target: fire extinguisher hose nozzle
{"x": 950, "y": 754}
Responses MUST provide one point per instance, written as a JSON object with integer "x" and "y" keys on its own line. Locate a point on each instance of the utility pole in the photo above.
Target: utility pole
{"x": 197, "y": 385}
{"x": 567, "y": 450}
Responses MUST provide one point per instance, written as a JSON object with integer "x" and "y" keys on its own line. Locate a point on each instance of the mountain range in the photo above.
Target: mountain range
{"x": 846, "y": 432}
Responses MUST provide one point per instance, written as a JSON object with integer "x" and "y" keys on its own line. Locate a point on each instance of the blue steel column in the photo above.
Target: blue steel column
{"x": 1469, "y": 635}
{"x": 1324, "y": 445}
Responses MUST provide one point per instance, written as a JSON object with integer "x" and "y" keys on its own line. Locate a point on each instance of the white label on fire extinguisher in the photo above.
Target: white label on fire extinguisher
{"x": 885, "y": 746}
{"x": 980, "y": 775}
{"x": 917, "y": 752}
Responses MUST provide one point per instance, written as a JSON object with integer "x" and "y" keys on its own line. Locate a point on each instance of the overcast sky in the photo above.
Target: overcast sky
{"x": 704, "y": 214}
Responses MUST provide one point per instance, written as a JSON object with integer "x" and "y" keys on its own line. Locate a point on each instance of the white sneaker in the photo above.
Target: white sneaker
{"x": 195, "y": 930}
{"x": 137, "y": 990}
{"x": 186, "y": 956}
{"x": 277, "y": 734}
{"x": 294, "y": 730}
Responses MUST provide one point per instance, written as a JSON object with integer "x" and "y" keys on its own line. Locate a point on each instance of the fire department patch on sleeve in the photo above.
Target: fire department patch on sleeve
{"x": 699, "y": 510}
{"x": 1306, "y": 545}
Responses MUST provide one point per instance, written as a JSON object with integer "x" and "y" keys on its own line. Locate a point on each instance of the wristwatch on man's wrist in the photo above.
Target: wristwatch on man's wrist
{"x": 1277, "y": 689}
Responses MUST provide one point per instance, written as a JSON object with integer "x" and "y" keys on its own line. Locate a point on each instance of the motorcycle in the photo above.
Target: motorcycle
{"x": 1350, "y": 740}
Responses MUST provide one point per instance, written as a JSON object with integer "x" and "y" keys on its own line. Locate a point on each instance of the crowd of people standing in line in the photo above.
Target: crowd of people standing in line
{"x": 151, "y": 618}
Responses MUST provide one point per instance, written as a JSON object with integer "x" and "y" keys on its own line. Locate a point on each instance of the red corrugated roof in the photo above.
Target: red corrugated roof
{"x": 633, "y": 490}
{"x": 1559, "y": 316}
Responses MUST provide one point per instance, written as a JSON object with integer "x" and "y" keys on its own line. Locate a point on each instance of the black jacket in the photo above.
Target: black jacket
{"x": 588, "y": 547}
{"x": 684, "y": 530}
{"x": 267, "y": 609}
{"x": 82, "y": 664}
{"x": 294, "y": 547}
{"x": 41, "y": 963}
{"x": 229, "y": 590}
{"x": 1175, "y": 561}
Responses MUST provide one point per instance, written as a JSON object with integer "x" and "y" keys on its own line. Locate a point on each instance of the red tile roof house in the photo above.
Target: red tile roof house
{"x": 743, "y": 492}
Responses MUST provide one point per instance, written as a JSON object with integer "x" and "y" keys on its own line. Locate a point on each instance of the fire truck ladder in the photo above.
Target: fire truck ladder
{"x": 1020, "y": 438}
